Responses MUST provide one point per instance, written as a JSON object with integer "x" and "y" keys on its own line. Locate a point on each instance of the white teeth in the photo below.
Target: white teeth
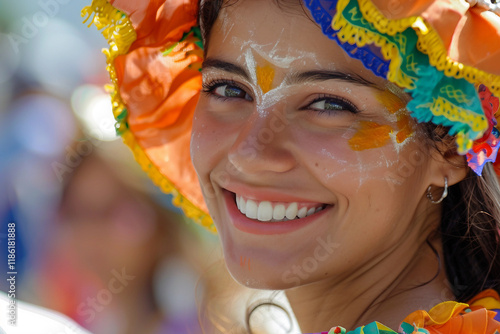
{"x": 243, "y": 205}
{"x": 291, "y": 211}
{"x": 251, "y": 209}
{"x": 240, "y": 203}
{"x": 302, "y": 212}
{"x": 279, "y": 212}
{"x": 265, "y": 211}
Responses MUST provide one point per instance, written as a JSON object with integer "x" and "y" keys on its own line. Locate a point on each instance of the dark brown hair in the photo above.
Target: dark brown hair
{"x": 470, "y": 224}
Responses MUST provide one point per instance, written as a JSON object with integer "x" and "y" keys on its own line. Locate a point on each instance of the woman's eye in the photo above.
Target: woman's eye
{"x": 231, "y": 92}
{"x": 332, "y": 105}
{"x": 327, "y": 105}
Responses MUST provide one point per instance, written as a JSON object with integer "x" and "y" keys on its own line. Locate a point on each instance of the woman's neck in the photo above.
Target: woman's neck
{"x": 386, "y": 291}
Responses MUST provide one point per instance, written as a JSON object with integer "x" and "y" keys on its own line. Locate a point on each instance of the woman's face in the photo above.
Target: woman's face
{"x": 289, "y": 126}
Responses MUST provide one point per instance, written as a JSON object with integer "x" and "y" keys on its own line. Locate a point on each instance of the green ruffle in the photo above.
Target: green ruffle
{"x": 437, "y": 98}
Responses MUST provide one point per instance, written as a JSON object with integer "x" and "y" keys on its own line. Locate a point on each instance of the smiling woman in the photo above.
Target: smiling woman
{"x": 345, "y": 148}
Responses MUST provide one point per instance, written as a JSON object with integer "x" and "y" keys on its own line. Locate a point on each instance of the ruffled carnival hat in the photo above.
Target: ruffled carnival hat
{"x": 445, "y": 53}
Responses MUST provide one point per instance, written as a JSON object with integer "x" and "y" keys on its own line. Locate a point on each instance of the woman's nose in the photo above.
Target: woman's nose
{"x": 263, "y": 145}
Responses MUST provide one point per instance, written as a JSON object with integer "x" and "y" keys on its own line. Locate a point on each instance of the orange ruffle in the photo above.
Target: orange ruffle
{"x": 160, "y": 90}
{"x": 471, "y": 35}
{"x": 459, "y": 318}
{"x": 488, "y": 299}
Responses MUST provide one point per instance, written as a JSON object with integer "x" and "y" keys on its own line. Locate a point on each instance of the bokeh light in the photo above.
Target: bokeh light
{"x": 92, "y": 106}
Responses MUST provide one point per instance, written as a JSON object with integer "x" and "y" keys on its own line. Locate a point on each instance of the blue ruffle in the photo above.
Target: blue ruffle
{"x": 323, "y": 11}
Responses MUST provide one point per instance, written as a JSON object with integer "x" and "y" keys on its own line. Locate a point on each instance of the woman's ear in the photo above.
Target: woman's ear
{"x": 447, "y": 163}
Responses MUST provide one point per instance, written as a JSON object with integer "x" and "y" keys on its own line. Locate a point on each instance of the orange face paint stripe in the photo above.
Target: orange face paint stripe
{"x": 391, "y": 101}
{"x": 265, "y": 77}
{"x": 406, "y": 128}
{"x": 373, "y": 135}
{"x": 396, "y": 105}
{"x": 370, "y": 135}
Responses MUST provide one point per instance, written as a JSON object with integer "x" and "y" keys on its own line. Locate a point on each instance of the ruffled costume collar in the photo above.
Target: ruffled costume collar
{"x": 480, "y": 316}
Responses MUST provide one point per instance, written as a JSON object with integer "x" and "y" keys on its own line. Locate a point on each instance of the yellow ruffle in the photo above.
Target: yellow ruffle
{"x": 429, "y": 43}
{"x": 443, "y": 312}
{"x": 360, "y": 37}
{"x": 443, "y": 107}
{"x": 120, "y": 34}
{"x": 190, "y": 210}
{"x": 438, "y": 315}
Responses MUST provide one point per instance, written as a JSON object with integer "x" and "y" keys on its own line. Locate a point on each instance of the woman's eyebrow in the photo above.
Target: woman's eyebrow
{"x": 324, "y": 75}
{"x": 225, "y": 66}
{"x": 296, "y": 78}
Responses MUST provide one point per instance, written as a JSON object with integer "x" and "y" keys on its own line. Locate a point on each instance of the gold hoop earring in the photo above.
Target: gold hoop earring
{"x": 443, "y": 196}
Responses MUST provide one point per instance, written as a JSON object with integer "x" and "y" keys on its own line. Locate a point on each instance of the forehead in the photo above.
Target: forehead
{"x": 283, "y": 35}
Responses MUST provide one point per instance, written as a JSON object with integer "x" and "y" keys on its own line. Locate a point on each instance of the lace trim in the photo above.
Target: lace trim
{"x": 117, "y": 28}
{"x": 322, "y": 16}
{"x": 348, "y": 33}
{"x": 454, "y": 105}
{"x": 429, "y": 43}
{"x": 410, "y": 68}
{"x": 190, "y": 210}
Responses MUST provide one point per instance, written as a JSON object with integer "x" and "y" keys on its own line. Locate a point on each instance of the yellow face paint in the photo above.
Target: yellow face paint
{"x": 396, "y": 105}
{"x": 406, "y": 128}
{"x": 265, "y": 77}
{"x": 373, "y": 135}
{"x": 370, "y": 135}
{"x": 391, "y": 101}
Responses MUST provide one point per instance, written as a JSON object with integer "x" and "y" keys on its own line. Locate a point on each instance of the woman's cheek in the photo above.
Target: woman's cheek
{"x": 333, "y": 159}
{"x": 211, "y": 139}
{"x": 204, "y": 141}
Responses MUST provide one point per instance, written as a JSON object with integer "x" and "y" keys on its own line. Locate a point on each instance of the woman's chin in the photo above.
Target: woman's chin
{"x": 255, "y": 276}
{"x": 255, "y": 280}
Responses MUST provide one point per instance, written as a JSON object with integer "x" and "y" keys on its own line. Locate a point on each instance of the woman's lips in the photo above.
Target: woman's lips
{"x": 265, "y": 211}
{"x": 261, "y": 194}
{"x": 268, "y": 215}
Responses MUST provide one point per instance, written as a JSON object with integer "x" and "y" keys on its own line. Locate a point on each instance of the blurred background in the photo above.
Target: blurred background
{"x": 95, "y": 240}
